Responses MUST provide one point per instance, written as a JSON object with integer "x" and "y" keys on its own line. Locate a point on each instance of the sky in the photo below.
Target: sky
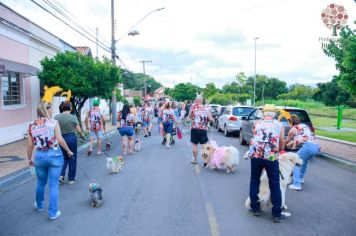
{"x": 204, "y": 41}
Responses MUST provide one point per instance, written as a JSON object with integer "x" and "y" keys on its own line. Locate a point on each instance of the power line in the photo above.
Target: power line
{"x": 70, "y": 20}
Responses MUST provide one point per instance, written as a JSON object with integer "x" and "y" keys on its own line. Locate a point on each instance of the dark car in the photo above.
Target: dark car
{"x": 249, "y": 121}
{"x": 219, "y": 112}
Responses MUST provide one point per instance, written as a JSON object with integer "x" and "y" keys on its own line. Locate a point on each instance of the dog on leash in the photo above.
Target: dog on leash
{"x": 223, "y": 157}
{"x": 286, "y": 161}
{"x": 96, "y": 195}
{"x": 114, "y": 165}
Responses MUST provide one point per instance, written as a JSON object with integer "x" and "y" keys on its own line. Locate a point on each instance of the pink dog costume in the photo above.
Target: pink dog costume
{"x": 217, "y": 157}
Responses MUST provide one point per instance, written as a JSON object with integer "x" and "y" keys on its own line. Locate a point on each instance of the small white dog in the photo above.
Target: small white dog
{"x": 114, "y": 165}
{"x": 138, "y": 144}
{"x": 220, "y": 157}
{"x": 286, "y": 161}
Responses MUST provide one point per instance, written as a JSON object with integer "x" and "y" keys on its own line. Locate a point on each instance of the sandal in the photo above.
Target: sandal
{"x": 130, "y": 153}
{"x": 61, "y": 179}
{"x": 99, "y": 153}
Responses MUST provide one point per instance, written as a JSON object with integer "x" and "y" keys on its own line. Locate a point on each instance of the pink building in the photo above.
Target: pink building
{"x": 23, "y": 44}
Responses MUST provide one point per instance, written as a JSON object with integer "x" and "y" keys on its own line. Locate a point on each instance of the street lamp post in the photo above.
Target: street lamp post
{"x": 254, "y": 82}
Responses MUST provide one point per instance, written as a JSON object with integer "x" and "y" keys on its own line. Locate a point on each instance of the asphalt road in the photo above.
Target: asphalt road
{"x": 159, "y": 192}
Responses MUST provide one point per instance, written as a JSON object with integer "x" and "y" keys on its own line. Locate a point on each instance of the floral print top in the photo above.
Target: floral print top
{"x": 147, "y": 114}
{"x": 303, "y": 134}
{"x": 200, "y": 116}
{"x": 129, "y": 121}
{"x": 265, "y": 142}
{"x": 167, "y": 115}
{"x": 42, "y": 133}
{"x": 95, "y": 120}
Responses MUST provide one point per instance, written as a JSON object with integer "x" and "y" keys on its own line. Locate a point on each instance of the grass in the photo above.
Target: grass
{"x": 315, "y": 108}
{"x": 346, "y": 136}
{"x": 331, "y": 122}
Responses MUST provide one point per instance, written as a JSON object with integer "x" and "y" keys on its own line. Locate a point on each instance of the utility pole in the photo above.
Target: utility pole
{"x": 113, "y": 59}
{"x": 254, "y": 82}
{"x": 144, "y": 73}
{"x": 97, "y": 42}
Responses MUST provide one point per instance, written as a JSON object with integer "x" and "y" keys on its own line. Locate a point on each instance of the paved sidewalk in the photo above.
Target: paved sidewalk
{"x": 13, "y": 156}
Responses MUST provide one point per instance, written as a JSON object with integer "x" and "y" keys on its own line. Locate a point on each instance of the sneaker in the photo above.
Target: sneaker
{"x": 58, "y": 213}
{"x": 255, "y": 212}
{"x": 89, "y": 152}
{"x": 277, "y": 219}
{"x": 168, "y": 146}
{"x": 38, "y": 209}
{"x": 302, "y": 180}
{"x": 145, "y": 136}
{"x": 293, "y": 187}
{"x": 61, "y": 179}
{"x": 71, "y": 182}
{"x": 194, "y": 161}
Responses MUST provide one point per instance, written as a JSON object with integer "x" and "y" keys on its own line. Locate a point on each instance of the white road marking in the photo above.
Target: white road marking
{"x": 214, "y": 227}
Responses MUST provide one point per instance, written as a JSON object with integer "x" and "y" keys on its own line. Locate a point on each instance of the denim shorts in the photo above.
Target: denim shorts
{"x": 146, "y": 123}
{"x": 126, "y": 131}
{"x": 168, "y": 127}
{"x": 97, "y": 134}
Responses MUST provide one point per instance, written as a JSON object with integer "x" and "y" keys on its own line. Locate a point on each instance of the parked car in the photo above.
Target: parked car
{"x": 230, "y": 121}
{"x": 214, "y": 108}
{"x": 220, "y": 111}
{"x": 249, "y": 121}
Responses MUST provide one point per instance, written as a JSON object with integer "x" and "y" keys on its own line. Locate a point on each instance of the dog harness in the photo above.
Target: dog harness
{"x": 217, "y": 158}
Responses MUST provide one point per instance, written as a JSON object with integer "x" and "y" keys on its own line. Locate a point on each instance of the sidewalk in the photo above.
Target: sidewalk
{"x": 13, "y": 156}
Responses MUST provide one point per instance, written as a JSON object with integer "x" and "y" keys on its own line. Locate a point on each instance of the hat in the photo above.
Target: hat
{"x": 269, "y": 107}
{"x": 96, "y": 102}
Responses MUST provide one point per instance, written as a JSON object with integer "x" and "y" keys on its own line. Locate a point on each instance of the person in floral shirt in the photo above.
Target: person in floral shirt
{"x": 168, "y": 118}
{"x": 200, "y": 116}
{"x": 301, "y": 136}
{"x": 147, "y": 114}
{"x": 264, "y": 148}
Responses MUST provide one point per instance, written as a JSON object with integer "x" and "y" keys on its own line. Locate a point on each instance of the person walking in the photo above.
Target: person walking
{"x": 126, "y": 131}
{"x": 147, "y": 116}
{"x": 301, "y": 136}
{"x": 69, "y": 124}
{"x": 200, "y": 116}
{"x": 266, "y": 143}
{"x": 44, "y": 135}
{"x": 168, "y": 118}
{"x": 96, "y": 120}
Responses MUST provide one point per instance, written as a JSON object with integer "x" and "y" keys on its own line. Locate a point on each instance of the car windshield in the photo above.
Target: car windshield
{"x": 241, "y": 111}
{"x": 214, "y": 108}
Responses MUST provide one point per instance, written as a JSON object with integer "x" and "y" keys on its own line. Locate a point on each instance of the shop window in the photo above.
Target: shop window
{"x": 11, "y": 88}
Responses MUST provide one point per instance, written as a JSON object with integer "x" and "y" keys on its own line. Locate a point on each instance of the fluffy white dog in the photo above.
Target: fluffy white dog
{"x": 114, "y": 165}
{"x": 220, "y": 157}
{"x": 286, "y": 161}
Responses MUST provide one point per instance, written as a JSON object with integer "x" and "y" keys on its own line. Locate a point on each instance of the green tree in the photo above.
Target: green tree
{"x": 331, "y": 93}
{"x": 182, "y": 92}
{"x": 209, "y": 90}
{"x": 137, "y": 100}
{"x": 344, "y": 54}
{"x": 298, "y": 92}
{"x": 136, "y": 81}
{"x": 83, "y": 75}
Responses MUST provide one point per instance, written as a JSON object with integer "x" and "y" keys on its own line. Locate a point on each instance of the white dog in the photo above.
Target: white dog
{"x": 114, "y": 165}
{"x": 220, "y": 157}
{"x": 286, "y": 161}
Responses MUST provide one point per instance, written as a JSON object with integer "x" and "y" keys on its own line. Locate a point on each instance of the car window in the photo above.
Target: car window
{"x": 303, "y": 115}
{"x": 252, "y": 115}
{"x": 258, "y": 114}
{"x": 241, "y": 111}
{"x": 227, "y": 111}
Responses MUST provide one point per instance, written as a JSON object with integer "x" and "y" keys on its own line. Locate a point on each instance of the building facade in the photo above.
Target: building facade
{"x": 23, "y": 44}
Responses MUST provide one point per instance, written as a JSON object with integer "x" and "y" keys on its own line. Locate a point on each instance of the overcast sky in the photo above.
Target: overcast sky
{"x": 202, "y": 41}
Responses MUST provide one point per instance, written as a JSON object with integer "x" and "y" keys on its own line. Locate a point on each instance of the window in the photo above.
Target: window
{"x": 10, "y": 84}
{"x": 241, "y": 111}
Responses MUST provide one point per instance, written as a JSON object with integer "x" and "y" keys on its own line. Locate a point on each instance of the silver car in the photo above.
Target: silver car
{"x": 230, "y": 121}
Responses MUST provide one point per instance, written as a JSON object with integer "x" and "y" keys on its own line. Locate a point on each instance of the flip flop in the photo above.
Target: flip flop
{"x": 99, "y": 153}
{"x": 130, "y": 153}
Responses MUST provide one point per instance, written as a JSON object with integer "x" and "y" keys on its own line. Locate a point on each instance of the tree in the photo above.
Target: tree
{"x": 83, "y": 75}
{"x": 137, "y": 100}
{"x": 331, "y": 93}
{"x": 209, "y": 90}
{"x": 344, "y": 53}
{"x": 298, "y": 92}
{"x": 182, "y": 92}
{"x": 136, "y": 81}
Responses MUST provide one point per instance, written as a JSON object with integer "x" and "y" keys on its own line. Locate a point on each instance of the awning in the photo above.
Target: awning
{"x": 6, "y": 65}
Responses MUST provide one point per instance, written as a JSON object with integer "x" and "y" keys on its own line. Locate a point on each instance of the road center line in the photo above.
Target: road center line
{"x": 214, "y": 227}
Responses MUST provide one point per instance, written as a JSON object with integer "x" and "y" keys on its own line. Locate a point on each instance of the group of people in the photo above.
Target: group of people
{"x": 55, "y": 144}
{"x": 264, "y": 152}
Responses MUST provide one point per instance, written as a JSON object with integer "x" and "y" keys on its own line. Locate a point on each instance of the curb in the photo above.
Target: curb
{"x": 24, "y": 175}
{"x": 336, "y": 140}
{"x": 338, "y": 160}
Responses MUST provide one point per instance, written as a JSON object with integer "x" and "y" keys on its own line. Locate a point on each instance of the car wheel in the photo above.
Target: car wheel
{"x": 241, "y": 138}
{"x": 219, "y": 130}
{"x": 226, "y": 133}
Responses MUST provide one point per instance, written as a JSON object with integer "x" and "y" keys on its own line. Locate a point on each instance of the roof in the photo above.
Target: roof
{"x": 84, "y": 50}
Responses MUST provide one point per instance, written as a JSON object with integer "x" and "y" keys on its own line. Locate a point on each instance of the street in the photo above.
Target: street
{"x": 159, "y": 192}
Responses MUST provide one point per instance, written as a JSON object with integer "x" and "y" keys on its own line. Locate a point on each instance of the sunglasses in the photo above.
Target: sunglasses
{"x": 49, "y": 107}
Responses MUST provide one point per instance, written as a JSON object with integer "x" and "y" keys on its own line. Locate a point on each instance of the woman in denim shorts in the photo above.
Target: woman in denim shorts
{"x": 126, "y": 131}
